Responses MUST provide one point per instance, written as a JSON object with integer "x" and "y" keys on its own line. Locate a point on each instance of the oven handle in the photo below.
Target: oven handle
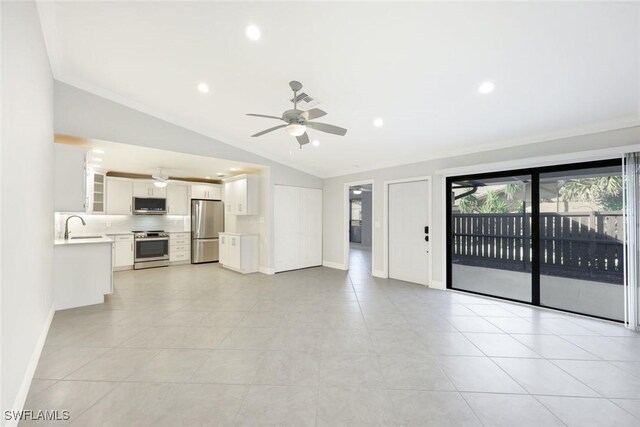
{"x": 151, "y": 239}
{"x": 159, "y": 258}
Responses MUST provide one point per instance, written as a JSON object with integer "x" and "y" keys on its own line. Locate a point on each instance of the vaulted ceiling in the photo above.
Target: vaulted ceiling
{"x": 558, "y": 68}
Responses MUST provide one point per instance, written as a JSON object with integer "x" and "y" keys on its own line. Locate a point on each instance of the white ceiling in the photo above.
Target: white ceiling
{"x": 560, "y": 69}
{"x": 115, "y": 157}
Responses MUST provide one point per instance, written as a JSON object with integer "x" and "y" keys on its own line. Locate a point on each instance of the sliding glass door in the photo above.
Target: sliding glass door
{"x": 549, "y": 236}
{"x": 491, "y": 236}
{"x": 582, "y": 241}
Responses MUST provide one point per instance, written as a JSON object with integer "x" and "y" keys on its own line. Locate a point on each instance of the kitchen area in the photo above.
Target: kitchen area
{"x": 117, "y": 208}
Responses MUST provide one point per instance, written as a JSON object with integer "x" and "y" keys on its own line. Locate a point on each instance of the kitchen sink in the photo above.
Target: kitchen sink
{"x": 85, "y": 237}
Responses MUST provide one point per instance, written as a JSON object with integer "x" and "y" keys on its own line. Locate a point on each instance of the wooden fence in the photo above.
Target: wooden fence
{"x": 586, "y": 246}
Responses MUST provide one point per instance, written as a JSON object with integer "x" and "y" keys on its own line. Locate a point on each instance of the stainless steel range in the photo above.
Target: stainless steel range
{"x": 151, "y": 249}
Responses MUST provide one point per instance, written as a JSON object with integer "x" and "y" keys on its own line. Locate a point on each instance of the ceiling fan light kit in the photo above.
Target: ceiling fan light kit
{"x": 297, "y": 121}
{"x": 296, "y": 129}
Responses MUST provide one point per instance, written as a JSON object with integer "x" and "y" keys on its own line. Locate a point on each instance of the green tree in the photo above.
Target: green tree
{"x": 605, "y": 191}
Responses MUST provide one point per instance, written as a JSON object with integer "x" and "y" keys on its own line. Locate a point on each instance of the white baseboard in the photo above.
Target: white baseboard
{"x": 266, "y": 270}
{"x": 336, "y": 265}
{"x": 436, "y": 284}
{"x": 379, "y": 273}
{"x": 21, "y": 398}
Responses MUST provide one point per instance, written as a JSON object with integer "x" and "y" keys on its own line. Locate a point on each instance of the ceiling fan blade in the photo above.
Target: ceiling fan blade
{"x": 265, "y": 116}
{"x": 303, "y": 139}
{"x": 323, "y": 127}
{"x": 314, "y": 113}
{"x": 269, "y": 130}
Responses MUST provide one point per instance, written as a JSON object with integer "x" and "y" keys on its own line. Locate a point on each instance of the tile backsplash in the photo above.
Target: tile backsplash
{"x": 105, "y": 224}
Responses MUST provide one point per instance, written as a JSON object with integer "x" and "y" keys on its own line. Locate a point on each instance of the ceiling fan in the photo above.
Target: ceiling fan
{"x": 297, "y": 121}
{"x": 160, "y": 180}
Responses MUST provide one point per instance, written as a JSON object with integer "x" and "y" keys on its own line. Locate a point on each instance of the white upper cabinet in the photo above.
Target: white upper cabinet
{"x": 177, "y": 199}
{"x": 206, "y": 191}
{"x": 119, "y": 196}
{"x": 96, "y": 192}
{"x": 69, "y": 178}
{"x": 148, "y": 189}
{"x": 242, "y": 195}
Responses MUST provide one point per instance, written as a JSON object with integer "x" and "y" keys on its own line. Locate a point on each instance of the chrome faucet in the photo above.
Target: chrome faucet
{"x": 66, "y": 225}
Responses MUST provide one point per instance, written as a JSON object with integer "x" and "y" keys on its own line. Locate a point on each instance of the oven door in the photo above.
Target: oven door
{"x": 152, "y": 249}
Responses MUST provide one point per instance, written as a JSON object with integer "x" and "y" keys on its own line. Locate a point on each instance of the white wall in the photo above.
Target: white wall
{"x": 26, "y": 177}
{"x": 83, "y": 114}
{"x": 333, "y": 215}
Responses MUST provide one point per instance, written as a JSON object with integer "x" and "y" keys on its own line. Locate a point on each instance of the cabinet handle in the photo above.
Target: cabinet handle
{"x": 130, "y": 210}
{"x": 131, "y": 246}
{"x": 239, "y": 207}
{"x": 233, "y": 241}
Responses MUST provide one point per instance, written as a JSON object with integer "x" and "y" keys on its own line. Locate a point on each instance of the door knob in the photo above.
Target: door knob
{"x": 426, "y": 238}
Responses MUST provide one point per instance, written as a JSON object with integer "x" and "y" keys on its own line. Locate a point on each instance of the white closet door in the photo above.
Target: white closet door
{"x": 311, "y": 227}
{"x": 297, "y": 227}
{"x": 286, "y": 211}
{"x": 408, "y": 215}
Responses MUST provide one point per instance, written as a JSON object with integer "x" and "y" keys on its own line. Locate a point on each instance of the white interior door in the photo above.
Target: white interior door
{"x": 297, "y": 227}
{"x": 408, "y": 216}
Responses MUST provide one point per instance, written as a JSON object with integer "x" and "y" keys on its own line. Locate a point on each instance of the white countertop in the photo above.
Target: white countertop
{"x": 238, "y": 234}
{"x": 102, "y": 239}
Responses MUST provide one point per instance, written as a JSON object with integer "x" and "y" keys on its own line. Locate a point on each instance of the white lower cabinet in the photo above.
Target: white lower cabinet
{"x": 239, "y": 252}
{"x": 180, "y": 247}
{"x": 122, "y": 258}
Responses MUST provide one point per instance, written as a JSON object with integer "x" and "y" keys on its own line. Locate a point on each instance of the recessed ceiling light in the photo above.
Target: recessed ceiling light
{"x": 378, "y": 122}
{"x": 98, "y": 151}
{"x": 203, "y": 87}
{"x": 486, "y": 87}
{"x": 233, "y": 169}
{"x": 315, "y": 143}
{"x": 220, "y": 174}
{"x": 253, "y": 32}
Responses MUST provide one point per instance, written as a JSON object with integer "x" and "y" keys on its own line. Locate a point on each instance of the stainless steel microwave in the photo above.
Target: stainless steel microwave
{"x": 149, "y": 206}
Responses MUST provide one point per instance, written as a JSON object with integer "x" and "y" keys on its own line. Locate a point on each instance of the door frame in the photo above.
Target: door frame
{"x": 347, "y": 215}
{"x": 385, "y": 221}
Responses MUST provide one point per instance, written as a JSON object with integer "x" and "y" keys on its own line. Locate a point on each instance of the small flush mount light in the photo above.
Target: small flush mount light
{"x": 253, "y": 32}
{"x": 357, "y": 191}
{"x": 378, "y": 122}
{"x": 315, "y": 143}
{"x": 296, "y": 129}
{"x": 98, "y": 151}
{"x": 203, "y": 87}
{"x": 486, "y": 87}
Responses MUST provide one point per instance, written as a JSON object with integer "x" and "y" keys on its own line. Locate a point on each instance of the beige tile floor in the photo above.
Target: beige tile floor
{"x": 201, "y": 346}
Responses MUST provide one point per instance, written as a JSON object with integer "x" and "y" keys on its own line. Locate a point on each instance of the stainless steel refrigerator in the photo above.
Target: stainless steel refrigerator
{"x": 207, "y": 220}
